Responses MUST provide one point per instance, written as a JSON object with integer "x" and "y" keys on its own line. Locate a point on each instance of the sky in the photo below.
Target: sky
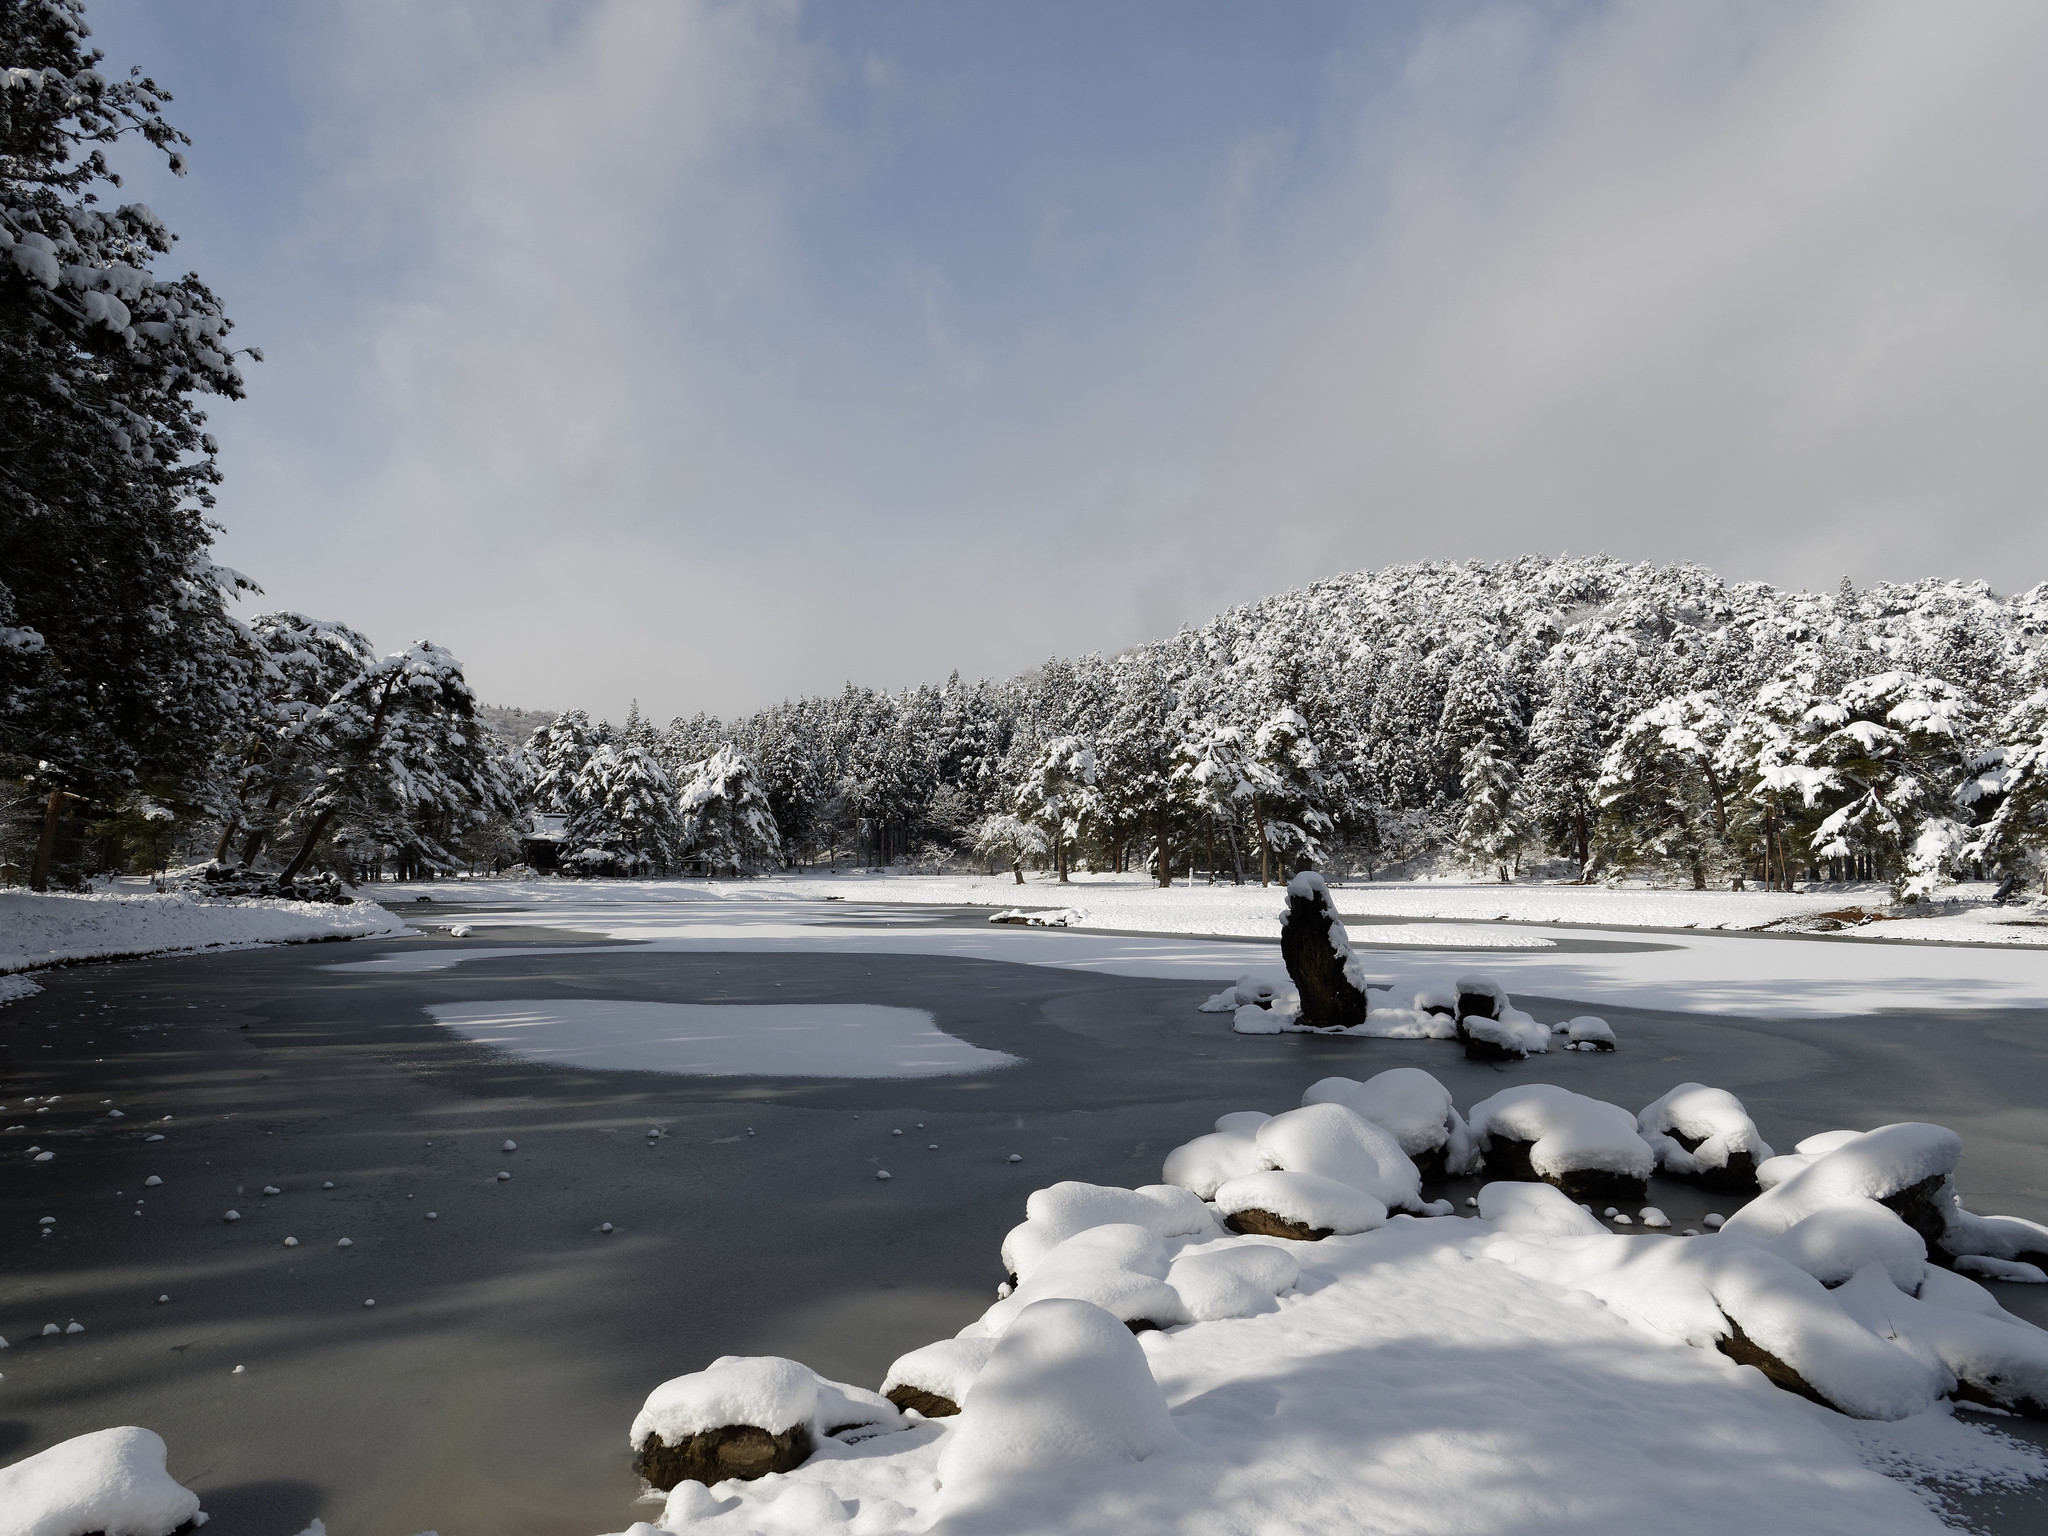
{"x": 708, "y": 354}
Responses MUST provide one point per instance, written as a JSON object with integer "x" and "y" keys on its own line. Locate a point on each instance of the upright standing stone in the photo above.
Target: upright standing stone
{"x": 1318, "y": 954}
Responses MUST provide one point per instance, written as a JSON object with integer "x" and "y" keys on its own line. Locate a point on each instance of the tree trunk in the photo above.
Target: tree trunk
{"x": 1582, "y": 835}
{"x": 1265, "y": 844}
{"x": 1212, "y": 853}
{"x": 1165, "y": 872}
{"x": 1017, "y": 869}
{"x": 313, "y": 835}
{"x": 46, "y": 842}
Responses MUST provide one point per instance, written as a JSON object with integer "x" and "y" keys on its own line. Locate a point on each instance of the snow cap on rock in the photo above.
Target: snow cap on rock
{"x": 1338, "y": 1143}
{"x": 765, "y": 1391}
{"x": 111, "y": 1480}
{"x": 1308, "y": 1199}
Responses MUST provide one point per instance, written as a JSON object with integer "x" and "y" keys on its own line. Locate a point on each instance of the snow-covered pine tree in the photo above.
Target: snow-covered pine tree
{"x": 2006, "y": 793}
{"x": 1290, "y": 797}
{"x": 1563, "y": 771}
{"x": 623, "y": 818}
{"x": 725, "y": 817}
{"x": 1209, "y": 778}
{"x": 1494, "y": 826}
{"x": 1058, "y": 796}
{"x": 403, "y": 761}
{"x": 1662, "y": 801}
{"x": 555, "y": 755}
{"x": 118, "y": 662}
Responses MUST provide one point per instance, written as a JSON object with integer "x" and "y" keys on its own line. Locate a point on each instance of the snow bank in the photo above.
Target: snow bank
{"x": 1337, "y": 1143}
{"x": 15, "y": 988}
{"x": 1704, "y": 1133}
{"x": 1067, "y": 1388}
{"x": 51, "y": 928}
{"x": 1582, "y": 1145}
{"x": 112, "y": 1481}
{"x": 1411, "y": 1106}
{"x": 763, "y": 1391}
{"x": 722, "y": 1039}
{"x": 1308, "y": 1201}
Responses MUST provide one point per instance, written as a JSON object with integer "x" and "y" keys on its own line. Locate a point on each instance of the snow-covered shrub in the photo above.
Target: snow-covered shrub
{"x": 1297, "y": 1205}
{"x": 1414, "y": 1108}
{"x": 1066, "y": 1388}
{"x": 1584, "y": 1146}
{"x": 1705, "y": 1134}
{"x": 1338, "y": 1143}
{"x": 112, "y": 1480}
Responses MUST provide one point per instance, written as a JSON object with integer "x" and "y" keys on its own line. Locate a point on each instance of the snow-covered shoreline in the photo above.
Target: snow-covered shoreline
{"x": 40, "y": 929}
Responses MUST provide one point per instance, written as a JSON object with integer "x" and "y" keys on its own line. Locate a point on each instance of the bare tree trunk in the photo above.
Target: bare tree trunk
{"x": 1017, "y": 869}
{"x": 46, "y": 842}
{"x": 1165, "y": 872}
{"x": 1212, "y": 852}
{"x": 1265, "y": 844}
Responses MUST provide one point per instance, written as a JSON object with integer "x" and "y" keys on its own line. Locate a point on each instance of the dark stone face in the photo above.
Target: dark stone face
{"x": 1257, "y": 1223}
{"x": 713, "y": 1455}
{"x": 1477, "y": 1049}
{"x": 1327, "y": 997}
{"x": 930, "y": 1404}
{"x": 1508, "y": 1158}
{"x": 1478, "y": 1005}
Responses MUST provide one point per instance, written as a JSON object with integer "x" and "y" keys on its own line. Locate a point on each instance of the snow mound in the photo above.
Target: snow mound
{"x": 1247, "y": 991}
{"x": 112, "y": 1481}
{"x": 765, "y": 1391}
{"x": 1536, "y": 1212}
{"x": 1199, "y": 1166}
{"x": 1588, "y": 1033}
{"x": 1877, "y": 1165}
{"x": 1335, "y": 1142}
{"x": 1233, "y": 1281}
{"x": 1119, "y": 1267}
{"x": 1701, "y": 1132}
{"x": 1566, "y": 1137}
{"x": 1406, "y": 1024}
{"x": 1410, "y": 1105}
{"x": 1251, "y": 1019}
{"x": 1054, "y": 1214}
{"x": 1305, "y": 1199}
{"x": 1067, "y": 1387}
{"x": 1833, "y": 1244}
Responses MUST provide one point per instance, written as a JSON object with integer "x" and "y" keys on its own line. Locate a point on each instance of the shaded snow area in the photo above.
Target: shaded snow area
{"x": 722, "y": 1039}
{"x": 14, "y": 988}
{"x": 54, "y": 927}
{"x": 1284, "y": 1337}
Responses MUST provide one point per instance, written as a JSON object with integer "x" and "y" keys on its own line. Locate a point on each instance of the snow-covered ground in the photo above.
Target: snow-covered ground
{"x": 1723, "y": 973}
{"x": 131, "y": 919}
{"x": 722, "y": 1040}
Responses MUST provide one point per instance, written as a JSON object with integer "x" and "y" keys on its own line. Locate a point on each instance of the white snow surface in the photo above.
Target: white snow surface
{"x": 722, "y": 1039}
{"x": 1405, "y": 1101}
{"x": 1713, "y": 973}
{"x": 14, "y": 988}
{"x": 112, "y": 1480}
{"x": 1335, "y": 1142}
{"x": 1861, "y": 1169}
{"x": 53, "y": 928}
{"x": 762, "y": 1390}
{"x": 1570, "y": 1132}
{"x": 1318, "y": 1203}
{"x": 946, "y": 1366}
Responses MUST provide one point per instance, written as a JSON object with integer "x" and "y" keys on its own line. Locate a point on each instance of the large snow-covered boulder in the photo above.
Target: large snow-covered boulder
{"x": 1704, "y": 1134}
{"x": 1536, "y": 1212}
{"x": 112, "y": 1481}
{"x": 1319, "y": 957}
{"x": 1228, "y": 1152}
{"x": 1491, "y": 1027}
{"x": 1909, "y": 1169}
{"x": 745, "y": 1416}
{"x": 1057, "y": 1212}
{"x": 1414, "y": 1108}
{"x": 933, "y": 1379}
{"x": 1305, "y": 1207}
{"x": 1586, "y": 1147}
{"x": 1338, "y": 1143}
{"x": 1835, "y": 1243}
{"x": 1066, "y": 1389}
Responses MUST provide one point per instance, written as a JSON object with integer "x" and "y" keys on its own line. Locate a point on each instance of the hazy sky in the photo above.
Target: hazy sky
{"x": 713, "y": 353}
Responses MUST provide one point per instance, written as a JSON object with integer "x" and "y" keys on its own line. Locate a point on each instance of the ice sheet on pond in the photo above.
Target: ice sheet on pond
{"x": 722, "y": 1039}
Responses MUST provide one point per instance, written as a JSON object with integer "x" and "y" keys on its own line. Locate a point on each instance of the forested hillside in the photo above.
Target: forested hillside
{"x": 1621, "y": 718}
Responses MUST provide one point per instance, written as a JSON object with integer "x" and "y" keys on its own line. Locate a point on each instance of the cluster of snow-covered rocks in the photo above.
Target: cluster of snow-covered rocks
{"x": 1286, "y": 1334}
{"x": 57, "y": 928}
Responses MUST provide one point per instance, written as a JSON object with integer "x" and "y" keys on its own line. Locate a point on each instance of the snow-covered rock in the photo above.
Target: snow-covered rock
{"x": 1414, "y": 1108}
{"x": 112, "y": 1480}
{"x": 1586, "y": 1147}
{"x": 1228, "y": 1152}
{"x": 1232, "y": 1281}
{"x": 1589, "y": 1032}
{"x": 745, "y": 1416}
{"x": 1054, "y": 1214}
{"x": 1338, "y": 1143}
{"x": 1834, "y": 1243}
{"x": 1067, "y": 1388}
{"x": 934, "y": 1379}
{"x": 1247, "y": 992}
{"x": 1536, "y": 1211}
{"x": 1301, "y": 1206}
{"x": 1704, "y": 1134}
{"x": 1119, "y": 1267}
{"x": 1320, "y": 961}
